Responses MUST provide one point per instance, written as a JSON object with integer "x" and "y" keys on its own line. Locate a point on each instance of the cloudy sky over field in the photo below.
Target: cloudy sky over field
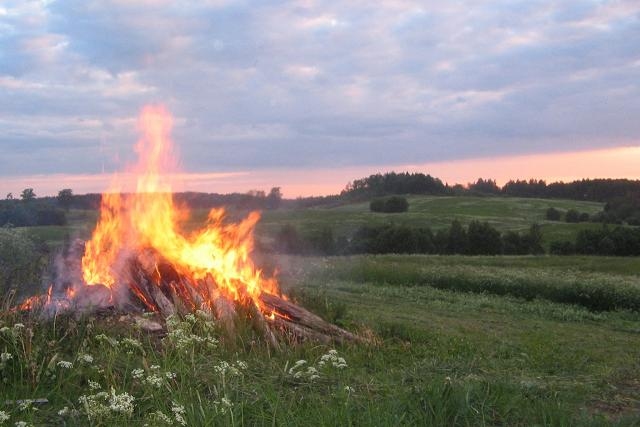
{"x": 279, "y": 88}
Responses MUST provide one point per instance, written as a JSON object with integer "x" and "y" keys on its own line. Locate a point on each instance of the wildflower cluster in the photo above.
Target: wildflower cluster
{"x": 4, "y": 359}
{"x": 302, "y": 371}
{"x": 154, "y": 378}
{"x": 333, "y": 359}
{"x": 226, "y": 369}
{"x": 105, "y": 405}
{"x": 194, "y": 331}
{"x": 223, "y": 406}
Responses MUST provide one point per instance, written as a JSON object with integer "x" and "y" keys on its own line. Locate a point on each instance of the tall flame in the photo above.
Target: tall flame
{"x": 149, "y": 218}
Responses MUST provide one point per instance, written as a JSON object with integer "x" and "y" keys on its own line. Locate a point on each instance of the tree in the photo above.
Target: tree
{"x": 572, "y": 215}
{"x": 65, "y": 197}
{"x": 27, "y": 194}
{"x": 9, "y": 196}
{"x": 457, "y": 242}
{"x": 274, "y": 199}
{"x": 483, "y": 239}
{"x": 533, "y": 240}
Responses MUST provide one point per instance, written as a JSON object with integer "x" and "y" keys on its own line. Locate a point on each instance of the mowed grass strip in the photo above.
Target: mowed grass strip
{"x": 569, "y": 285}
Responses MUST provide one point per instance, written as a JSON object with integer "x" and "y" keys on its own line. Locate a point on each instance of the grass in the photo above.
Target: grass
{"x": 455, "y": 340}
{"x": 438, "y": 356}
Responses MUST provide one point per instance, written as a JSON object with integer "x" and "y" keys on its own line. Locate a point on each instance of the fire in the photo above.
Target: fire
{"x": 219, "y": 252}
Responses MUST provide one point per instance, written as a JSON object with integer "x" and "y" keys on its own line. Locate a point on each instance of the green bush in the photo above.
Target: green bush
{"x": 394, "y": 204}
{"x": 553, "y": 214}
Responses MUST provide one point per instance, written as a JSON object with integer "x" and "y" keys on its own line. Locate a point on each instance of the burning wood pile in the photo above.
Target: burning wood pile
{"x": 140, "y": 259}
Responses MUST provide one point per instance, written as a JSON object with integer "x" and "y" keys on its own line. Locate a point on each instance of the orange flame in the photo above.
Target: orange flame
{"x": 149, "y": 218}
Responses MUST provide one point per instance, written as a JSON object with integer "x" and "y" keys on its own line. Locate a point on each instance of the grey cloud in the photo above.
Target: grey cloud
{"x": 275, "y": 84}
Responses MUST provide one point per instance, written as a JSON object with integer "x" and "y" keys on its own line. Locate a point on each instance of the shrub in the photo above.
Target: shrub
{"x": 553, "y": 214}
{"x": 394, "y": 204}
{"x": 562, "y": 247}
{"x": 572, "y": 215}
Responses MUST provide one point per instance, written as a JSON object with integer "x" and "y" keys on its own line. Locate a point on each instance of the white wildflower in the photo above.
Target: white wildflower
{"x": 121, "y": 403}
{"x": 161, "y": 417}
{"x": 4, "y": 417}
{"x": 18, "y": 326}
{"x": 25, "y": 405}
{"x": 155, "y": 367}
{"x": 64, "y": 364}
{"x": 154, "y": 380}
{"x": 85, "y": 358}
{"x": 131, "y": 345}
{"x": 94, "y": 404}
{"x": 64, "y": 411}
{"x": 137, "y": 373}
{"x": 178, "y": 413}
{"x": 22, "y": 424}
{"x": 93, "y": 385}
{"x": 5, "y": 330}
{"x": 5, "y": 356}
{"x": 190, "y": 318}
{"x": 348, "y": 389}
{"x": 170, "y": 375}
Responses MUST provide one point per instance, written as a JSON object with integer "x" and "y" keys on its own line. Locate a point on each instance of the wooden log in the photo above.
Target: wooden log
{"x": 297, "y": 315}
{"x": 261, "y": 324}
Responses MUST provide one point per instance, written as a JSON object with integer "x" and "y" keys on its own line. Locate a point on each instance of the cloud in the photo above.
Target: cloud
{"x": 278, "y": 84}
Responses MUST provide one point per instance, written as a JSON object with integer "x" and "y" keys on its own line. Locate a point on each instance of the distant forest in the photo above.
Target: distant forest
{"x": 621, "y": 196}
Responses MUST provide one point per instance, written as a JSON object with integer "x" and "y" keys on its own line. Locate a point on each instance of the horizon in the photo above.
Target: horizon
{"x": 618, "y": 163}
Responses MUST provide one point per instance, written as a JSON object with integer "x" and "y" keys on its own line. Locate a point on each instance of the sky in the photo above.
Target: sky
{"x": 309, "y": 95}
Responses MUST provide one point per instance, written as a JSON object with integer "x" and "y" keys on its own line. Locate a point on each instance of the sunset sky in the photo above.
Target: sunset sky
{"x": 310, "y": 95}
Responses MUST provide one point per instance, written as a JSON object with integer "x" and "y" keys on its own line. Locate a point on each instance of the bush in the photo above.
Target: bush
{"x": 553, "y": 214}
{"x": 572, "y": 215}
{"x": 394, "y": 204}
{"x": 562, "y": 247}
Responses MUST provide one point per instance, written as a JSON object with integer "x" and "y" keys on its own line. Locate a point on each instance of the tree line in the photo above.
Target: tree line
{"x": 616, "y": 241}
{"x": 478, "y": 238}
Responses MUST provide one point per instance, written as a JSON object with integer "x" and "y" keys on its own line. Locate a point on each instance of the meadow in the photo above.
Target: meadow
{"x": 452, "y": 340}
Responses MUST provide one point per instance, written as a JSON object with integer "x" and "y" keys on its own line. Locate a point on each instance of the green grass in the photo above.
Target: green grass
{"x": 454, "y": 340}
{"x": 437, "y": 356}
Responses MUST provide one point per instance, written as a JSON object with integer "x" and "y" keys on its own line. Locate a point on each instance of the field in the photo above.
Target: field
{"x": 453, "y": 340}
{"x": 515, "y": 214}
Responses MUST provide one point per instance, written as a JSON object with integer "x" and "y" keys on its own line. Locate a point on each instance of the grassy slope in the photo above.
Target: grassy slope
{"x": 438, "y": 212}
{"x": 435, "y": 212}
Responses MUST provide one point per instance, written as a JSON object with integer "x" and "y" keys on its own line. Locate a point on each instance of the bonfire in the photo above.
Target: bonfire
{"x": 140, "y": 259}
